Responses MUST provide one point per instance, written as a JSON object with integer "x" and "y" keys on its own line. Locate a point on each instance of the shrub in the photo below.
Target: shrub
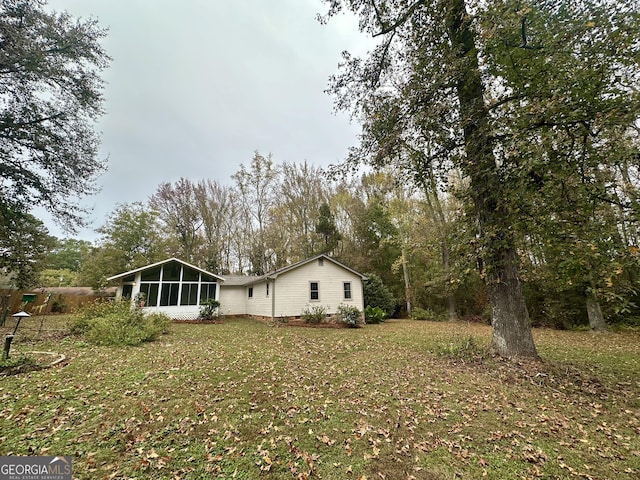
{"x": 313, "y": 314}
{"x": 209, "y": 309}
{"x": 418, "y": 313}
{"x": 117, "y": 323}
{"x": 349, "y": 315}
{"x": 374, "y": 314}
{"x": 377, "y": 294}
{"x": 159, "y": 321}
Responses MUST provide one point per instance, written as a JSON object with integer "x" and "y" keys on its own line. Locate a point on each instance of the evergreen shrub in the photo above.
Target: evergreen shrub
{"x": 377, "y": 294}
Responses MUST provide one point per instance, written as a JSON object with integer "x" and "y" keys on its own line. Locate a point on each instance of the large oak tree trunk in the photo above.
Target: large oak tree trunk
{"x": 512, "y": 335}
{"x": 510, "y": 323}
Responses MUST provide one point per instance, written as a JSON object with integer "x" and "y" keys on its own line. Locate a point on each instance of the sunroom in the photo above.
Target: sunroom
{"x": 172, "y": 286}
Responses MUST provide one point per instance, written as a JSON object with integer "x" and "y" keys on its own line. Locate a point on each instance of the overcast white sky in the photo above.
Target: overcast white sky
{"x": 196, "y": 86}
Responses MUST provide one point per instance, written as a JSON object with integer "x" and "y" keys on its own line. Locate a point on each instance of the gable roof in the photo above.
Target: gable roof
{"x": 280, "y": 271}
{"x": 172, "y": 259}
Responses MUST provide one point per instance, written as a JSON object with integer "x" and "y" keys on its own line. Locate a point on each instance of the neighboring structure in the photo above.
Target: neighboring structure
{"x": 284, "y": 293}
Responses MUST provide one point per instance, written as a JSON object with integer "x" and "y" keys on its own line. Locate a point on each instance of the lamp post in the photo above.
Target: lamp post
{"x": 9, "y": 337}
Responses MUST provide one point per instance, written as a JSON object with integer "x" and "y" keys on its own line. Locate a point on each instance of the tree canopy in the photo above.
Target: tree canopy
{"x": 497, "y": 90}
{"x": 50, "y": 97}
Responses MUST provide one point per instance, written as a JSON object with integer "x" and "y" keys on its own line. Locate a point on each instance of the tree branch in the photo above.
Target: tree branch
{"x": 523, "y": 33}
{"x": 12, "y": 125}
{"x": 387, "y": 27}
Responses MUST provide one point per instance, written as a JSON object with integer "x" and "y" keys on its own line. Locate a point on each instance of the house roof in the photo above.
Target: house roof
{"x": 240, "y": 280}
{"x": 244, "y": 280}
{"x": 280, "y": 271}
{"x": 248, "y": 280}
{"x": 173, "y": 259}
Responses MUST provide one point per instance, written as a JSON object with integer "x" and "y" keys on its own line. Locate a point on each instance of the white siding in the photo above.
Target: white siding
{"x": 233, "y": 300}
{"x": 260, "y": 304}
{"x": 292, "y": 288}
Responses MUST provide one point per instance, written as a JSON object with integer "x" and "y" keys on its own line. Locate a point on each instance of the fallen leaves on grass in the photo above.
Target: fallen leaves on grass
{"x": 241, "y": 399}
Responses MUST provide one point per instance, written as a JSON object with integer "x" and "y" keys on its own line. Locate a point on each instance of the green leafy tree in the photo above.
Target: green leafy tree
{"x": 564, "y": 140}
{"x": 24, "y": 244}
{"x": 379, "y": 241}
{"x": 302, "y": 189}
{"x": 370, "y": 240}
{"x": 130, "y": 238}
{"x": 473, "y": 86}
{"x": 180, "y": 213}
{"x": 50, "y": 96}
{"x": 67, "y": 254}
{"x": 63, "y": 262}
{"x": 62, "y": 277}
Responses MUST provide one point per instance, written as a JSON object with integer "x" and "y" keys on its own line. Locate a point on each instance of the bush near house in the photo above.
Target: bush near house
{"x": 314, "y": 315}
{"x": 349, "y": 315}
{"x": 377, "y": 294}
{"x": 209, "y": 309}
{"x": 117, "y": 323}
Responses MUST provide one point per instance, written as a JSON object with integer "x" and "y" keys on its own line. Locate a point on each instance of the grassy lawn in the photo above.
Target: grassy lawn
{"x": 394, "y": 401}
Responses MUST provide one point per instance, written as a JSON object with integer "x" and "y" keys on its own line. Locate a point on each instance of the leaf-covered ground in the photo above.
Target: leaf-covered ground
{"x": 394, "y": 401}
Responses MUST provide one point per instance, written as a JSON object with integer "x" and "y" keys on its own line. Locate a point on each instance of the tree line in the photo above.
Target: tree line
{"x": 500, "y": 141}
{"x": 420, "y": 242}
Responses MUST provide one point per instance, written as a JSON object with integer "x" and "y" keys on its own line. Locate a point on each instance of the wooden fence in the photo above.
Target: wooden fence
{"x": 43, "y": 301}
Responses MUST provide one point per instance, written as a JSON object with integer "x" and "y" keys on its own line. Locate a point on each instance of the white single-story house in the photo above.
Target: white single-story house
{"x": 177, "y": 288}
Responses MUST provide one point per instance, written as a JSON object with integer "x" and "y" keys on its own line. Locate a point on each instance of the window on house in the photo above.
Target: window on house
{"x": 189, "y": 295}
{"x": 346, "y": 286}
{"x": 151, "y": 274}
{"x": 320, "y": 262}
{"x": 267, "y": 289}
{"x": 190, "y": 275}
{"x": 150, "y": 291}
{"x": 207, "y": 291}
{"x": 171, "y": 272}
{"x": 127, "y": 290}
{"x": 314, "y": 291}
{"x": 169, "y": 294}
{"x": 250, "y": 292}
